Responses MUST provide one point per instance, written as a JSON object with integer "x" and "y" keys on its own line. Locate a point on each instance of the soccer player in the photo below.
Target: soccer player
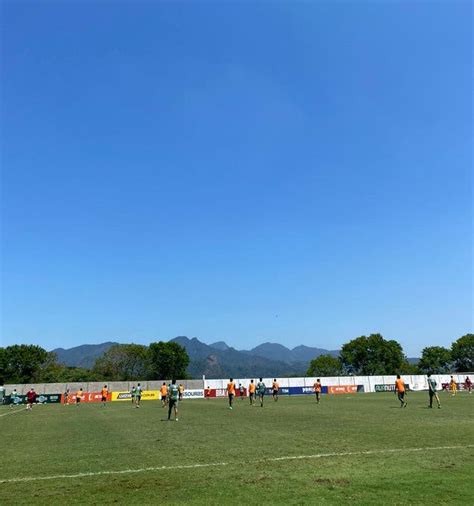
{"x": 30, "y": 399}
{"x": 78, "y": 396}
{"x": 252, "y": 392}
{"x": 138, "y": 395}
{"x": 66, "y": 397}
{"x": 317, "y": 390}
{"x": 164, "y": 394}
{"x": 231, "y": 391}
{"x": 207, "y": 393}
{"x": 261, "y": 391}
{"x": 173, "y": 397}
{"x": 13, "y": 396}
{"x": 181, "y": 391}
{"x": 133, "y": 393}
{"x": 468, "y": 384}
{"x": 241, "y": 391}
{"x": 400, "y": 390}
{"x": 103, "y": 394}
{"x": 432, "y": 391}
{"x": 275, "y": 389}
{"x": 453, "y": 386}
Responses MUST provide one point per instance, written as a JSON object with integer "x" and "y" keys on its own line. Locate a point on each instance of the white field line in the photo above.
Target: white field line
{"x": 13, "y": 412}
{"x": 222, "y": 464}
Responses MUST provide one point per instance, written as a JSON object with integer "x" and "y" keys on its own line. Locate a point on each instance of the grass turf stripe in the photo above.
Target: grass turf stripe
{"x": 222, "y": 464}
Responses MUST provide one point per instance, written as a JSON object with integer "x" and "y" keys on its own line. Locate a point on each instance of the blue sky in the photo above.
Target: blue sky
{"x": 296, "y": 172}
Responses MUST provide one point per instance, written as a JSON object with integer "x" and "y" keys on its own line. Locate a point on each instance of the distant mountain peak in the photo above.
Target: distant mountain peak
{"x": 220, "y": 345}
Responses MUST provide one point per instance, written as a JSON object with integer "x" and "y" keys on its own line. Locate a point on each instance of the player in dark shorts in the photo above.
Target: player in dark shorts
{"x": 231, "y": 391}
{"x": 261, "y": 391}
{"x": 30, "y": 399}
{"x": 138, "y": 395}
{"x": 173, "y": 398}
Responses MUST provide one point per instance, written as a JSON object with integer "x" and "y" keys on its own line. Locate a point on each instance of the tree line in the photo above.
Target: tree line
{"x": 374, "y": 355}
{"x": 23, "y": 363}
{"x": 365, "y": 355}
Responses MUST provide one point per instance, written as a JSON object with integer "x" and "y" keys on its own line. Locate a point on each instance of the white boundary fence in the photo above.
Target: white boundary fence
{"x": 415, "y": 382}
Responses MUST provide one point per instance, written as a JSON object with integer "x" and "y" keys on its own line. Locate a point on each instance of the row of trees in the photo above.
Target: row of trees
{"x": 373, "y": 355}
{"x": 122, "y": 362}
{"x": 365, "y": 355}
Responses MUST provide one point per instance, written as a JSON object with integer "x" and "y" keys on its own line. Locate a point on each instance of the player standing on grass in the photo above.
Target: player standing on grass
{"x": 252, "y": 392}
{"x": 468, "y": 384}
{"x": 261, "y": 391}
{"x": 181, "y": 391}
{"x": 30, "y": 399}
{"x": 453, "y": 386}
{"x": 13, "y": 397}
{"x": 78, "y": 396}
{"x": 275, "y": 389}
{"x": 66, "y": 397}
{"x": 317, "y": 390}
{"x": 164, "y": 394}
{"x": 241, "y": 391}
{"x": 133, "y": 393}
{"x": 400, "y": 390}
{"x": 173, "y": 396}
{"x": 138, "y": 395}
{"x": 231, "y": 391}
{"x": 432, "y": 391}
{"x": 103, "y": 394}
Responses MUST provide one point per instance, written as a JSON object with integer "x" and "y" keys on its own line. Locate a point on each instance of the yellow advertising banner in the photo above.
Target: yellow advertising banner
{"x": 147, "y": 395}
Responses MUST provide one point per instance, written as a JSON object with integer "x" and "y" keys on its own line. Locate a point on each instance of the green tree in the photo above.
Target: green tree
{"x": 372, "y": 355}
{"x": 123, "y": 362}
{"x": 435, "y": 360}
{"x": 22, "y": 363}
{"x": 168, "y": 360}
{"x": 462, "y": 352}
{"x": 324, "y": 365}
{"x": 58, "y": 373}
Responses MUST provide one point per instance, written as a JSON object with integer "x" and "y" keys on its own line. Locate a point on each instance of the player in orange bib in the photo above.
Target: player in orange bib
{"x": 400, "y": 390}
{"x": 275, "y": 389}
{"x": 231, "y": 392}
{"x": 164, "y": 394}
{"x": 103, "y": 394}
{"x": 317, "y": 390}
{"x": 252, "y": 392}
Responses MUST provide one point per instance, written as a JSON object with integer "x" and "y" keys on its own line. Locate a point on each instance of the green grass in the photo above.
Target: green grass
{"x": 58, "y": 440}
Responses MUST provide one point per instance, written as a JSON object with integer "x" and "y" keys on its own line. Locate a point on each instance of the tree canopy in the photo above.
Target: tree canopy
{"x": 435, "y": 359}
{"x": 168, "y": 360}
{"x": 372, "y": 355}
{"x": 325, "y": 365}
{"x": 462, "y": 352}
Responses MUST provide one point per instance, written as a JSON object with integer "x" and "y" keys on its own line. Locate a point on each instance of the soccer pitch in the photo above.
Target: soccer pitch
{"x": 361, "y": 449}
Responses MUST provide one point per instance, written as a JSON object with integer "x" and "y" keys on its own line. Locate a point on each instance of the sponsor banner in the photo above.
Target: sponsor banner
{"x": 17, "y": 399}
{"x": 342, "y": 389}
{"x": 40, "y": 399}
{"x": 388, "y": 387}
{"x": 87, "y": 397}
{"x": 48, "y": 398}
{"x": 193, "y": 394}
{"x": 147, "y": 395}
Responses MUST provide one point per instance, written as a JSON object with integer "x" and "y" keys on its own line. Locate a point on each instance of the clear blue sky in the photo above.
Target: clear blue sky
{"x": 296, "y": 172}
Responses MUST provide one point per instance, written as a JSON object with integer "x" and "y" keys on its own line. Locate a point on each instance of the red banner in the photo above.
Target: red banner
{"x": 86, "y": 397}
{"x": 342, "y": 389}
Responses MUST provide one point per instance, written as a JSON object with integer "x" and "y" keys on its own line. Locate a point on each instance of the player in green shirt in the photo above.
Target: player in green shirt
{"x": 261, "y": 391}
{"x": 432, "y": 391}
{"x": 173, "y": 396}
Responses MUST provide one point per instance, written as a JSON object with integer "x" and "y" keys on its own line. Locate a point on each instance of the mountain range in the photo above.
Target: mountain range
{"x": 218, "y": 359}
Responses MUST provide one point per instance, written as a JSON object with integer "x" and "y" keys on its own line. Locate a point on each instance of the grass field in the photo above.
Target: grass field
{"x": 360, "y": 449}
